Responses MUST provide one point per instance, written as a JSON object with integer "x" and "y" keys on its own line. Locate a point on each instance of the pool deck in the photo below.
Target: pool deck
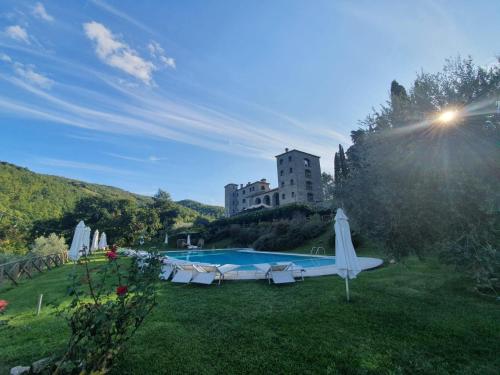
{"x": 365, "y": 263}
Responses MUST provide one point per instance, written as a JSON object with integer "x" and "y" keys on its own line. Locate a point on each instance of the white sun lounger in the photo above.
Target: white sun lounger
{"x": 206, "y": 273}
{"x": 204, "y": 277}
{"x": 183, "y": 274}
{"x": 282, "y": 277}
{"x": 182, "y": 277}
{"x": 280, "y": 273}
{"x": 166, "y": 271}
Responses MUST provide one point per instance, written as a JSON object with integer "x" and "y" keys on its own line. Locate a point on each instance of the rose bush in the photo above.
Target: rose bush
{"x": 110, "y": 302}
{"x": 3, "y": 305}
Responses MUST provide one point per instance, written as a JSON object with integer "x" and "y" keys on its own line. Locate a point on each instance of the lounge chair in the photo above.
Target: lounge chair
{"x": 183, "y": 274}
{"x": 166, "y": 271}
{"x": 206, "y": 273}
{"x": 282, "y": 273}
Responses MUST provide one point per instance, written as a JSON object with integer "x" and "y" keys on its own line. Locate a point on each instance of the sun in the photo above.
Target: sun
{"x": 447, "y": 116}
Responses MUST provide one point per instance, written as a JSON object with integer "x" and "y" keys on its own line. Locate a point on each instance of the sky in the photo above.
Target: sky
{"x": 188, "y": 96}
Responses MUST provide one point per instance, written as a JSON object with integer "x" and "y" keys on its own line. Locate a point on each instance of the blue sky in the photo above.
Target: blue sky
{"x": 190, "y": 95}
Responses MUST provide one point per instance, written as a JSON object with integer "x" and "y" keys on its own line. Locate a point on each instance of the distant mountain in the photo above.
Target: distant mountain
{"x": 203, "y": 209}
{"x": 28, "y": 198}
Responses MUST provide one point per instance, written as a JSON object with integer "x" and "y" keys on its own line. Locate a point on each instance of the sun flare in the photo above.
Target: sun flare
{"x": 447, "y": 116}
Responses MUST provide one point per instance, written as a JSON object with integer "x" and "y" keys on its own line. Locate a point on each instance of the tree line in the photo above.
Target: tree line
{"x": 34, "y": 205}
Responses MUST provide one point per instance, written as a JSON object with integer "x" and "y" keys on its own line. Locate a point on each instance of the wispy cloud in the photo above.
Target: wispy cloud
{"x": 62, "y": 163}
{"x": 157, "y": 52}
{"x": 5, "y": 58}
{"x": 151, "y": 114}
{"x": 118, "y": 54}
{"x": 40, "y": 12}
{"x": 18, "y": 33}
{"x": 112, "y": 10}
{"x": 27, "y": 73}
{"x": 150, "y": 159}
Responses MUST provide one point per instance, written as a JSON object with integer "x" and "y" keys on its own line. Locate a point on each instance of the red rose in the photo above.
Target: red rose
{"x": 114, "y": 248}
{"x": 3, "y": 305}
{"x": 122, "y": 290}
{"x": 111, "y": 255}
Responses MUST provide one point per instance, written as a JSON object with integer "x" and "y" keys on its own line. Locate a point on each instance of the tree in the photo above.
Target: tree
{"x": 49, "y": 245}
{"x": 417, "y": 186}
{"x": 327, "y": 185}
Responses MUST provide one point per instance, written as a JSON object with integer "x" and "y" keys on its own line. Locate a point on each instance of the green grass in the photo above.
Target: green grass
{"x": 417, "y": 318}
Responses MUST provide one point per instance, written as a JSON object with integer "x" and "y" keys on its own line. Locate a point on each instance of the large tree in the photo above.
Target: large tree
{"x": 419, "y": 182}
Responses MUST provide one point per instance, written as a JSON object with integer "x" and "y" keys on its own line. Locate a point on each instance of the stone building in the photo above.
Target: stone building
{"x": 299, "y": 181}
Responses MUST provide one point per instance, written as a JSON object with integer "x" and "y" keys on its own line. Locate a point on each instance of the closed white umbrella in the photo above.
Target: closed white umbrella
{"x": 95, "y": 241}
{"x": 103, "y": 241}
{"x": 166, "y": 238}
{"x": 188, "y": 242}
{"x": 77, "y": 243}
{"x": 86, "y": 240}
{"x": 346, "y": 260}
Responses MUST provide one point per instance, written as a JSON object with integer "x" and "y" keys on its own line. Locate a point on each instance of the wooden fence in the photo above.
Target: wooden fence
{"x": 27, "y": 267}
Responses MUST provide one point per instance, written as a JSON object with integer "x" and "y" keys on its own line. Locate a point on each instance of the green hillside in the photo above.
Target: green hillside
{"x": 32, "y": 204}
{"x": 203, "y": 209}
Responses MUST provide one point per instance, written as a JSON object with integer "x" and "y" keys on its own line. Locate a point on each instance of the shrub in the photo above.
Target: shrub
{"x": 105, "y": 313}
{"x": 479, "y": 260}
{"x": 49, "y": 245}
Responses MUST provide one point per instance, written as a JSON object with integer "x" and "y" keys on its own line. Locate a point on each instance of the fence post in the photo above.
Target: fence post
{"x": 39, "y": 304}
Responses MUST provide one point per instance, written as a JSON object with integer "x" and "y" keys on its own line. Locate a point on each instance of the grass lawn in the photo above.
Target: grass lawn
{"x": 416, "y": 317}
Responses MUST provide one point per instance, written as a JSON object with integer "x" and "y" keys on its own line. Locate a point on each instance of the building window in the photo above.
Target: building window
{"x": 308, "y": 173}
{"x": 307, "y": 163}
{"x": 281, "y": 172}
{"x": 309, "y": 185}
{"x": 289, "y": 158}
{"x": 262, "y": 187}
{"x": 281, "y": 161}
{"x": 282, "y": 183}
{"x": 291, "y": 170}
{"x": 282, "y": 196}
{"x": 244, "y": 200}
{"x": 293, "y": 194}
{"x": 310, "y": 197}
{"x": 243, "y": 191}
{"x": 292, "y": 182}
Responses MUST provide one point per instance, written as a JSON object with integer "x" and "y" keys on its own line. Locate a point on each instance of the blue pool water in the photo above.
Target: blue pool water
{"x": 246, "y": 258}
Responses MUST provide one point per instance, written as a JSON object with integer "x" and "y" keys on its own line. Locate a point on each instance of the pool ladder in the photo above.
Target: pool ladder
{"x": 316, "y": 250}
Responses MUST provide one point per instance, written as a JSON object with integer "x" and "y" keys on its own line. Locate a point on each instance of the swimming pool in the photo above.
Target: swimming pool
{"x": 246, "y": 258}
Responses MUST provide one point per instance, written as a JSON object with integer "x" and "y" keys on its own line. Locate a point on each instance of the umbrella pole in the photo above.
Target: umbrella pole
{"x": 347, "y": 288}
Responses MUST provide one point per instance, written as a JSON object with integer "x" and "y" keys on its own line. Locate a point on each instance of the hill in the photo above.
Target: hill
{"x": 32, "y": 204}
{"x": 203, "y": 209}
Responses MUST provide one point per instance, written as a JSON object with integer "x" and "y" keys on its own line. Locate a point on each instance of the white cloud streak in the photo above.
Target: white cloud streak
{"x": 62, "y": 163}
{"x": 156, "y": 117}
{"x": 117, "y": 13}
{"x": 28, "y": 74}
{"x": 150, "y": 159}
{"x": 157, "y": 52}
{"x": 118, "y": 54}
{"x": 40, "y": 12}
{"x": 18, "y": 33}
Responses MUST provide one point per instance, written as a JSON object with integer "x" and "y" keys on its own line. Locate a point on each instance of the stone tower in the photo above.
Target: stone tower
{"x": 299, "y": 177}
{"x": 231, "y": 200}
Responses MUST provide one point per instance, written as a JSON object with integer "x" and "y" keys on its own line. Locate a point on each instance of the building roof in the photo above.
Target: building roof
{"x": 302, "y": 152}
